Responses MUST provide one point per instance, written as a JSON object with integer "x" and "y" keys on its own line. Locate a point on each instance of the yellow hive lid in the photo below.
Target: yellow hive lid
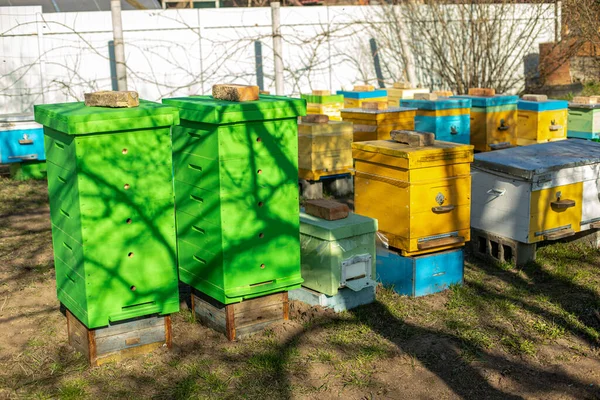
{"x": 441, "y": 153}
{"x": 328, "y": 128}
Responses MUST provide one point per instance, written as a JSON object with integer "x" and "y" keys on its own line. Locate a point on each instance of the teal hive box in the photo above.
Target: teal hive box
{"x": 236, "y": 194}
{"x": 583, "y": 121}
{"x": 112, "y": 209}
{"x": 420, "y": 275}
{"x": 337, "y": 253}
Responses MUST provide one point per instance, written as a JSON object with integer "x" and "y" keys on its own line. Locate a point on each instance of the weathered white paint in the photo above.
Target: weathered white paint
{"x": 57, "y": 57}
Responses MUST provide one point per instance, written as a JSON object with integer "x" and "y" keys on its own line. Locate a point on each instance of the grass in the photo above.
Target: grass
{"x": 504, "y": 318}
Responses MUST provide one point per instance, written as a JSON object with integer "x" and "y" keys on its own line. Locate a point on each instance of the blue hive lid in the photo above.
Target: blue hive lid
{"x": 444, "y": 103}
{"x": 492, "y": 101}
{"x": 363, "y": 95}
{"x": 547, "y": 105}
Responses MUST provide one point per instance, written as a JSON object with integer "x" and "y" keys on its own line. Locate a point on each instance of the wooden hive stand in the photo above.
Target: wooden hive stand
{"x": 120, "y": 341}
{"x": 240, "y": 320}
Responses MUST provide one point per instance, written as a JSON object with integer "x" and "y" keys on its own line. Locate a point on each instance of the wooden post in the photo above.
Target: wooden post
{"x": 277, "y": 47}
{"x": 115, "y": 8}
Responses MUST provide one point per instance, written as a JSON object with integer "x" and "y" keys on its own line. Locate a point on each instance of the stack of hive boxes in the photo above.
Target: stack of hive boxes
{"x": 113, "y": 225}
{"x": 584, "y": 118}
{"x": 360, "y": 94}
{"x": 236, "y": 194}
{"x": 324, "y": 147}
{"x": 541, "y": 120}
{"x": 338, "y": 256}
{"x": 323, "y": 102}
{"x": 420, "y": 194}
{"x": 493, "y": 119}
{"x": 533, "y": 193}
{"x": 375, "y": 121}
{"x": 448, "y": 119}
{"x": 402, "y": 91}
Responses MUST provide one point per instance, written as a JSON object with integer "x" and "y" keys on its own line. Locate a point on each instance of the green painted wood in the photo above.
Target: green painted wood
{"x": 211, "y": 111}
{"x": 28, "y": 170}
{"x": 112, "y": 212}
{"x": 326, "y": 244}
{"x": 236, "y": 194}
{"x": 584, "y": 120}
{"x": 332, "y": 98}
{"x": 77, "y": 119}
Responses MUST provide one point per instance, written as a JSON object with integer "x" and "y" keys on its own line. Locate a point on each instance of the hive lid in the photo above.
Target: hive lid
{"x": 363, "y": 95}
{"x": 329, "y": 128}
{"x": 77, "y": 119}
{"x": 211, "y": 111}
{"x": 491, "y": 101}
{"x": 547, "y": 105}
{"x": 386, "y": 111}
{"x": 332, "y": 98}
{"x": 441, "y": 153}
{"x": 439, "y": 104}
{"x": 527, "y": 161}
{"x": 344, "y": 228}
{"x": 586, "y": 106}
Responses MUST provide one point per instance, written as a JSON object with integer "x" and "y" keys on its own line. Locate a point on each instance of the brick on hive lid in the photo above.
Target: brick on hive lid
{"x": 413, "y": 138}
{"x": 375, "y": 105}
{"x": 597, "y": 98}
{"x": 402, "y": 85}
{"x": 321, "y": 92}
{"x": 444, "y": 93}
{"x": 483, "y": 92}
{"x": 535, "y": 97}
{"x": 315, "y": 119}
{"x": 363, "y": 88}
{"x": 264, "y": 92}
{"x": 426, "y": 96}
{"x": 327, "y": 209}
{"x": 585, "y": 100}
{"x": 114, "y": 99}
{"x": 233, "y": 92}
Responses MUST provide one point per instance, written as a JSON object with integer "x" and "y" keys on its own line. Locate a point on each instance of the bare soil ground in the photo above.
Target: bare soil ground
{"x": 508, "y": 333}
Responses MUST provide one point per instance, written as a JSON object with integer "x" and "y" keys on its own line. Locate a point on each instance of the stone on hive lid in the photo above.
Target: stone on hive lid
{"x": 414, "y": 138}
{"x": 327, "y": 209}
{"x": 233, "y": 92}
{"x": 114, "y": 99}
{"x": 363, "y": 88}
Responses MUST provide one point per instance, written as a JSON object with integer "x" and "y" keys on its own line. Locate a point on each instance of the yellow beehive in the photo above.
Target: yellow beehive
{"x": 360, "y": 94}
{"x": 402, "y": 91}
{"x": 421, "y": 196}
{"x": 541, "y": 120}
{"x": 324, "y": 149}
{"x": 372, "y": 124}
{"x": 323, "y": 102}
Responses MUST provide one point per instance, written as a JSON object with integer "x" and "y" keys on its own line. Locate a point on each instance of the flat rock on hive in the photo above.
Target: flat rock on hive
{"x": 444, "y": 93}
{"x": 375, "y": 105}
{"x": 426, "y": 96}
{"x": 535, "y": 97}
{"x": 402, "y": 85}
{"x": 327, "y": 209}
{"x": 486, "y": 92}
{"x": 321, "y": 93}
{"x": 233, "y": 92}
{"x": 315, "y": 119}
{"x": 585, "y": 100}
{"x": 364, "y": 88}
{"x": 113, "y": 99}
{"x": 414, "y": 138}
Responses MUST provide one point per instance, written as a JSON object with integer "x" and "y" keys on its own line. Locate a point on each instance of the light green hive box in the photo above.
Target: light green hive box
{"x": 338, "y": 253}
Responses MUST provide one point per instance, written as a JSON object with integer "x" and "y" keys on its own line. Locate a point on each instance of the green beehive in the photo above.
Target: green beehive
{"x": 236, "y": 194}
{"x": 338, "y": 253}
{"x": 111, "y": 207}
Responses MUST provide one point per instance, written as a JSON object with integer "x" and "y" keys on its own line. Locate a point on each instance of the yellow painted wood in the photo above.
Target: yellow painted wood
{"x": 318, "y": 174}
{"x": 545, "y": 217}
{"x": 327, "y": 129}
{"x": 443, "y": 113}
{"x": 535, "y": 127}
{"x": 357, "y": 103}
{"x": 401, "y": 186}
{"x": 332, "y": 110}
{"x": 325, "y": 147}
{"x": 361, "y": 136}
{"x": 395, "y": 95}
{"x": 374, "y": 119}
{"x": 484, "y": 128}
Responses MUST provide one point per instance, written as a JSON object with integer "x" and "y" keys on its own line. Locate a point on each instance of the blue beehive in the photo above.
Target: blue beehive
{"x": 449, "y": 119}
{"x": 420, "y": 275}
{"x": 21, "y": 139}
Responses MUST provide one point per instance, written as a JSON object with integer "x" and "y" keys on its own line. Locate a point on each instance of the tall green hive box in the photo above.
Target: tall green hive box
{"x": 236, "y": 195}
{"x": 337, "y": 253}
{"x": 112, "y": 209}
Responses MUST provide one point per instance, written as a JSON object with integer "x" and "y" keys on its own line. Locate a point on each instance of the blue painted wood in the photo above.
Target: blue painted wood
{"x": 527, "y": 161}
{"x": 30, "y": 148}
{"x": 583, "y": 135}
{"x": 548, "y": 105}
{"x": 453, "y": 128}
{"x": 363, "y": 95}
{"x": 421, "y": 275}
{"x": 498, "y": 100}
{"x": 440, "y": 104}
